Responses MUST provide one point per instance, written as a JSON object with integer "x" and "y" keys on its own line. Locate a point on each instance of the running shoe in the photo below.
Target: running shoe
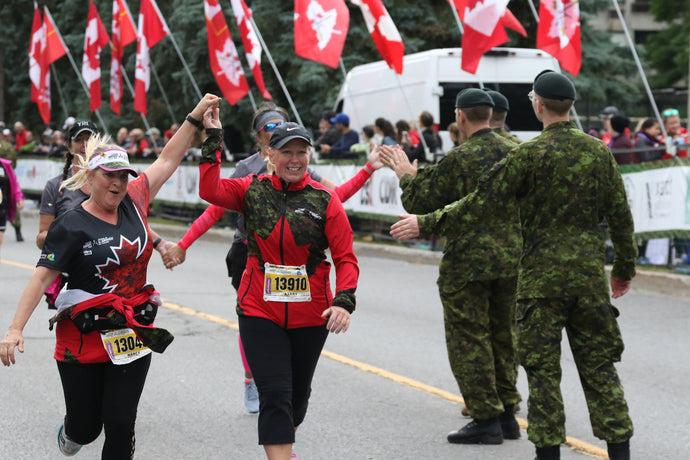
{"x": 251, "y": 397}
{"x": 65, "y": 444}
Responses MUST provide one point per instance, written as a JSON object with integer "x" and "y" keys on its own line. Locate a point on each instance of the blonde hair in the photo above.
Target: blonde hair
{"x": 271, "y": 167}
{"x": 96, "y": 144}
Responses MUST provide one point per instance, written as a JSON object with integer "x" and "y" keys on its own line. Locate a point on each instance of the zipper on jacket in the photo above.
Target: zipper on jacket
{"x": 251, "y": 272}
{"x": 286, "y": 186}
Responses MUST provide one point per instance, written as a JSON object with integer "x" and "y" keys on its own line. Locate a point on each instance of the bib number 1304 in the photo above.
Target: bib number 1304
{"x": 123, "y": 346}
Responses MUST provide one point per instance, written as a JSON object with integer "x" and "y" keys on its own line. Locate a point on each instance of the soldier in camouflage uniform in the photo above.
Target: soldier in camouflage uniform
{"x": 565, "y": 183}
{"x": 498, "y": 118}
{"x": 477, "y": 277}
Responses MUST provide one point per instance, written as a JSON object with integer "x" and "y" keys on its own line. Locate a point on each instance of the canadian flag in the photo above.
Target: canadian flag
{"x": 558, "y": 32}
{"x": 51, "y": 49}
{"x": 383, "y": 32}
{"x": 484, "y": 28}
{"x": 55, "y": 47}
{"x": 225, "y": 62}
{"x": 252, "y": 48}
{"x": 320, "y": 30}
{"x": 95, "y": 39}
{"x": 152, "y": 29}
{"x": 123, "y": 33}
{"x": 38, "y": 40}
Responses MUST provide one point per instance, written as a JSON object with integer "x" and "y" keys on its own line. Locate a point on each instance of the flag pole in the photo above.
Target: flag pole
{"x": 641, "y": 70}
{"x": 165, "y": 96}
{"x": 574, "y": 112}
{"x": 335, "y": 106}
{"x": 60, "y": 93}
{"x": 251, "y": 99}
{"x": 76, "y": 69}
{"x": 275, "y": 70}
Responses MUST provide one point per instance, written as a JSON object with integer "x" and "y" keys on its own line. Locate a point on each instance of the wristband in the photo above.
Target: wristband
{"x": 214, "y": 132}
{"x": 156, "y": 242}
{"x": 369, "y": 168}
{"x": 194, "y": 121}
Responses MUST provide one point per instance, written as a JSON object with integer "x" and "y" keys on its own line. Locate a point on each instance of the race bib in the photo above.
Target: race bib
{"x": 285, "y": 283}
{"x": 123, "y": 346}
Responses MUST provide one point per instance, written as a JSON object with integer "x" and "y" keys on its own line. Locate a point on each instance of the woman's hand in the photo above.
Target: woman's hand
{"x": 174, "y": 256}
{"x": 396, "y": 159}
{"x": 13, "y": 338}
{"x": 374, "y": 158}
{"x": 209, "y": 100}
{"x": 212, "y": 118}
{"x": 338, "y": 319}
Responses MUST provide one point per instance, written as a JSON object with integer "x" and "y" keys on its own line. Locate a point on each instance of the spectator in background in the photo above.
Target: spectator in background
{"x": 19, "y": 135}
{"x": 621, "y": 141}
{"x": 328, "y": 133}
{"x": 6, "y": 150}
{"x": 170, "y": 132}
{"x": 649, "y": 136}
{"x": 366, "y": 138}
{"x": 59, "y": 147}
{"x": 29, "y": 147}
{"x": 46, "y": 144}
{"x": 455, "y": 134}
{"x": 605, "y": 117}
{"x": 348, "y": 138}
{"x": 431, "y": 138}
{"x": 136, "y": 150}
{"x": 401, "y": 127}
{"x": 385, "y": 130}
{"x": 69, "y": 122}
{"x": 158, "y": 143}
{"x": 122, "y": 138}
{"x": 677, "y": 134}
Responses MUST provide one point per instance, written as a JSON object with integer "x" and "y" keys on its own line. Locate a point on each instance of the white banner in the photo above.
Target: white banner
{"x": 380, "y": 195}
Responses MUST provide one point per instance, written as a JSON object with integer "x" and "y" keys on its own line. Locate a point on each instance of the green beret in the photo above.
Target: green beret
{"x": 553, "y": 85}
{"x": 500, "y": 101}
{"x": 472, "y": 97}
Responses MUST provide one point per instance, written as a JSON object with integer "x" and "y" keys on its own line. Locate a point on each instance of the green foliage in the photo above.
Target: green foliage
{"x": 667, "y": 51}
{"x": 605, "y": 76}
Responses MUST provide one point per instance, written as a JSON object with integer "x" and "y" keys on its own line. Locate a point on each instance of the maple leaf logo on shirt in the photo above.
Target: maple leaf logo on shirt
{"x": 113, "y": 270}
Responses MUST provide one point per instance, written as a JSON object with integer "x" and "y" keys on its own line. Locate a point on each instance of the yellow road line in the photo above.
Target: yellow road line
{"x": 573, "y": 443}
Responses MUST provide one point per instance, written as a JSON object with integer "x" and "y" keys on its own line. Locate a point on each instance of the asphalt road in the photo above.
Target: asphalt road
{"x": 383, "y": 390}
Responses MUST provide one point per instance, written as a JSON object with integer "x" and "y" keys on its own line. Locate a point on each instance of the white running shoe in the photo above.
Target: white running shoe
{"x": 65, "y": 444}
{"x": 251, "y": 397}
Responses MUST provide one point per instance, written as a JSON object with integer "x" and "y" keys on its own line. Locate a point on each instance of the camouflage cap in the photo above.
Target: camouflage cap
{"x": 472, "y": 97}
{"x": 500, "y": 101}
{"x": 553, "y": 85}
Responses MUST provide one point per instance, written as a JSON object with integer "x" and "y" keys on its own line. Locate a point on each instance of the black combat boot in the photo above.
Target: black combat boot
{"x": 509, "y": 425}
{"x": 619, "y": 451}
{"x": 478, "y": 432}
{"x": 548, "y": 453}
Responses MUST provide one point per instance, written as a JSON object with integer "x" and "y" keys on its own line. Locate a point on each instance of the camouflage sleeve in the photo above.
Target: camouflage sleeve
{"x": 432, "y": 188}
{"x": 621, "y": 226}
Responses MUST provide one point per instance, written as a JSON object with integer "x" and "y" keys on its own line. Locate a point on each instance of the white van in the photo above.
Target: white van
{"x": 432, "y": 79}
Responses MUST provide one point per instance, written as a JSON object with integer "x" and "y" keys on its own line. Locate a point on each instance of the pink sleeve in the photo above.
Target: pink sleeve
{"x": 211, "y": 215}
{"x": 349, "y": 188}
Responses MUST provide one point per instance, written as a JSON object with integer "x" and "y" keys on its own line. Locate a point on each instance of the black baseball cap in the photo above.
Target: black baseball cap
{"x": 287, "y": 132}
{"x": 553, "y": 85}
{"x": 81, "y": 126}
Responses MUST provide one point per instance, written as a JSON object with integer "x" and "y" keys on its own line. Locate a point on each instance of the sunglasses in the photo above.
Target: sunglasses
{"x": 269, "y": 127}
{"x": 531, "y": 95}
{"x": 670, "y": 112}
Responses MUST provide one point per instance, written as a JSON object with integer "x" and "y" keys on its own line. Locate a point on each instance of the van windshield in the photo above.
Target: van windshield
{"x": 520, "y": 116}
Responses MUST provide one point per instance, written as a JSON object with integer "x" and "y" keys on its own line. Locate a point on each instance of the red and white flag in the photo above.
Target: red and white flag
{"x": 484, "y": 28}
{"x": 52, "y": 49}
{"x": 252, "y": 48}
{"x": 383, "y": 31}
{"x": 225, "y": 62}
{"x": 152, "y": 29}
{"x": 558, "y": 32}
{"x": 123, "y": 33}
{"x": 320, "y": 30}
{"x": 38, "y": 39}
{"x": 95, "y": 39}
{"x": 55, "y": 46}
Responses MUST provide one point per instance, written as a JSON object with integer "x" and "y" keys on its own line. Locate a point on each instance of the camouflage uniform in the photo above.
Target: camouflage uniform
{"x": 565, "y": 183}
{"x": 477, "y": 276}
{"x": 503, "y": 133}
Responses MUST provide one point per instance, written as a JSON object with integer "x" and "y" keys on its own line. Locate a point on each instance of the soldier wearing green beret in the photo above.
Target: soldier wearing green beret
{"x": 498, "y": 118}
{"x": 565, "y": 182}
{"x": 477, "y": 275}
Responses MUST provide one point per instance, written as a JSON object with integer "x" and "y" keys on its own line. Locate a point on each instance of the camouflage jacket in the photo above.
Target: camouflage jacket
{"x": 287, "y": 224}
{"x": 491, "y": 248}
{"x": 565, "y": 183}
{"x": 503, "y": 133}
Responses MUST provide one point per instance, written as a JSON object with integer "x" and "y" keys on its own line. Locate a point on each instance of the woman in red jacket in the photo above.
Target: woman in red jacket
{"x": 285, "y": 304}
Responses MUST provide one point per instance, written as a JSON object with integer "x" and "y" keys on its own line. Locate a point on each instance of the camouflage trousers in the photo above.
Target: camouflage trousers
{"x": 596, "y": 343}
{"x": 480, "y": 337}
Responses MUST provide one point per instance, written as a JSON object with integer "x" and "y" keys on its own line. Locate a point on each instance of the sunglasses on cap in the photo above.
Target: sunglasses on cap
{"x": 269, "y": 127}
{"x": 670, "y": 112}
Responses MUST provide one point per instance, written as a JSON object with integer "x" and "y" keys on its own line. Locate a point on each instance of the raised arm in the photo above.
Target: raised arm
{"x": 168, "y": 161}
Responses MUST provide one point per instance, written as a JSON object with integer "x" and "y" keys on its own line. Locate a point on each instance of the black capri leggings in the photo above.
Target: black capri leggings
{"x": 104, "y": 395}
{"x": 283, "y": 363}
